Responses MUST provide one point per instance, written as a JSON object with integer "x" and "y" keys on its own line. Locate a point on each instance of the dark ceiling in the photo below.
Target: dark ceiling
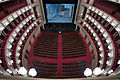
{"x": 60, "y": 1}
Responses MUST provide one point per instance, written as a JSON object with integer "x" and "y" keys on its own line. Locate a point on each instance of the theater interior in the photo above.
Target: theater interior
{"x": 59, "y": 39}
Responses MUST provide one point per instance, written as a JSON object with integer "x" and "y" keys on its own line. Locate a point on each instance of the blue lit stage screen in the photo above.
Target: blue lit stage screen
{"x": 60, "y": 13}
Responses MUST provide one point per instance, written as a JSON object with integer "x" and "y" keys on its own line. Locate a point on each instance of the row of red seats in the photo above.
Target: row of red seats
{"x": 7, "y": 31}
{"x": 108, "y": 26}
{"x": 111, "y": 29}
{"x": 103, "y": 40}
{"x": 46, "y": 45}
{"x": 71, "y": 70}
{"x": 47, "y": 70}
{"x": 72, "y": 46}
{"x": 93, "y": 39}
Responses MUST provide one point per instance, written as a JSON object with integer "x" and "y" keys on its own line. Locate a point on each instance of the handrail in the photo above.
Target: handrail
{"x": 27, "y": 39}
{"x": 113, "y": 22}
{"x": 90, "y": 6}
{"x": 92, "y": 42}
{"x": 22, "y": 36}
{"x": 4, "y": 1}
{"x": 29, "y": 6}
{"x": 98, "y": 41}
{"x": 89, "y": 78}
{"x": 112, "y": 41}
{"x": 11, "y": 34}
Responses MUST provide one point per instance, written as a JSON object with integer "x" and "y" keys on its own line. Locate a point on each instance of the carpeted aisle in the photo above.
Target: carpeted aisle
{"x": 48, "y": 67}
{"x": 59, "y": 60}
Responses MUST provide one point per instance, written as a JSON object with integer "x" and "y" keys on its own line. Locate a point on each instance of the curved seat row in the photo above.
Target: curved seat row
{"x": 14, "y": 32}
{"x": 99, "y": 23}
{"x": 72, "y": 45}
{"x": 44, "y": 69}
{"x": 46, "y": 45}
{"x": 74, "y": 69}
{"x": 13, "y": 38}
{"x": 97, "y": 41}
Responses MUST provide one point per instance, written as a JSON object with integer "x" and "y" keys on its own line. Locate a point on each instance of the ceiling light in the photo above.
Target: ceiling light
{"x": 88, "y": 72}
{"x": 32, "y": 72}
{"x": 97, "y": 71}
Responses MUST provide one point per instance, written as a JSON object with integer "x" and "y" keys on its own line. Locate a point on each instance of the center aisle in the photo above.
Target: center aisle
{"x": 59, "y": 55}
{"x": 59, "y": 62}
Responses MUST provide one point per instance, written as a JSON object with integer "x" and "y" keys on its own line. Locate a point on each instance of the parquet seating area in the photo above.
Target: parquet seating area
{"x": 45, "y": 69}
{"x": 74, "y": 69}
{"x": 47, "y": 45}
{"x": 57, "y": 50}
{"x": 51, "y": 61}
{"x": 72, "y": 46}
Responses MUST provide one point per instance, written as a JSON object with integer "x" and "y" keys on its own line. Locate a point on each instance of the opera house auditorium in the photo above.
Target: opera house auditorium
{"x": 59, "y": 39}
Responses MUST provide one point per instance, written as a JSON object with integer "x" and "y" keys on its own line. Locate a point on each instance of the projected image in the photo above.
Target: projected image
{"x": 60, "y": 13}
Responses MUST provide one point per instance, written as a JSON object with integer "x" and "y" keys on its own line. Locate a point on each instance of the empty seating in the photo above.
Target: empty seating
{"x": 22, "y": 40}
{"x": 10, "y": 31}
{"x": 71, "y": 70}
{"x": 13, "y": 40}
{"x": 72, "y": 45}
{"x": 46, "y": 45}
{"x": 107, "y": 27}
{"x": 46, "y": 48}
{"x": 45, "y": 69}
{"x": 97, "y": 42}
{"x": 104, "y": 35}
{"x": 110, "y": 23}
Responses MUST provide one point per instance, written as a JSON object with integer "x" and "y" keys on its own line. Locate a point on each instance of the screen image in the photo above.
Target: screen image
{"x": 60, "y": 13}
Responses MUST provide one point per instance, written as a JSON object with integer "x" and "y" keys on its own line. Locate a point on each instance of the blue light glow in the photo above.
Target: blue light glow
{"x": 60, "y": 13}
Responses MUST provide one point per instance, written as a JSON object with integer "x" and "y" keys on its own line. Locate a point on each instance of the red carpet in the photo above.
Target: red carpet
{"x": 59, "y": 60}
